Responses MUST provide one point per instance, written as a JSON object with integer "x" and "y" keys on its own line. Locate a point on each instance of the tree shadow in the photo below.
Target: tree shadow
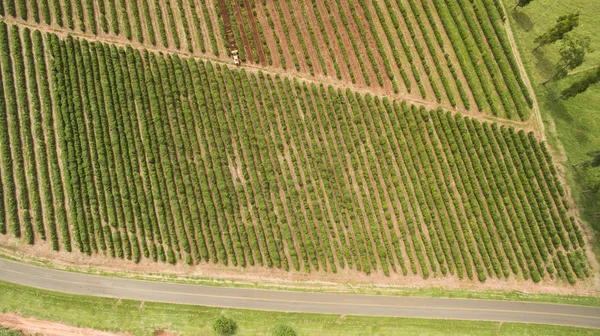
{"x": 556, "y": 105}
{"x": 522, "y": 19}
{"x": 542, "y": 63}
{"x": 559, "y": 110}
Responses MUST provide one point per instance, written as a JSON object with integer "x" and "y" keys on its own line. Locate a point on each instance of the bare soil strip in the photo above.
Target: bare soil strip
{"x": 242, "y": 31}
{"x": 255, "y": 34}
{"x": 33, "y": 326}
{"x": 227, "y": 25}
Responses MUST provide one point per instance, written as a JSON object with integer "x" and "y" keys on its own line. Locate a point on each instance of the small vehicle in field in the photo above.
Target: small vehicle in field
{"x": 236, "y": 58}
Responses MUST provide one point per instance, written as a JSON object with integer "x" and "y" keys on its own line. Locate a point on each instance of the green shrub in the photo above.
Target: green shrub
{"x": 224, "y": 326}
{"x": 283, "y": 330}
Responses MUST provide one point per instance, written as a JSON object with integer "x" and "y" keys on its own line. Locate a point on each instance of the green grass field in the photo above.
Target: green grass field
{"x": 8, "y": 332}
{"x": 145, "y": 318}
{"x": 577, "y": 120}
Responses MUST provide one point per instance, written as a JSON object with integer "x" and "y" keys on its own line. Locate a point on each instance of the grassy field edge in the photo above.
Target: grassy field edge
{"x": 571, "y": 125}
{"x": 436, "y": 292}
{"x": 145, "y": 318}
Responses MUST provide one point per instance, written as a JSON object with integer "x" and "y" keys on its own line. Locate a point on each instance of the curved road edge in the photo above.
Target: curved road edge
{"x": 299, "y": 302}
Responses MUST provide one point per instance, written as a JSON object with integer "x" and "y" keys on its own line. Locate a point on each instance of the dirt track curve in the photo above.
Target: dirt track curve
{"x": 303, "y": 302}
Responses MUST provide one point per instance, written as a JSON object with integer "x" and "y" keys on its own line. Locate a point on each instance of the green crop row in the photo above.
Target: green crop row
{"x": 153, "y": 156}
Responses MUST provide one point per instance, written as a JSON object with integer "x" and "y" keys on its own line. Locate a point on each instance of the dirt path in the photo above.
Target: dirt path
{"x": 297, "y": 171}
{"x": 255, "y": 34}
{"x": 241, "y": 29}
{"x": 243, "y": 163}
{"x": 363, "y": 14}
{"x": 267, "y": 126}
{"x": 270, "y": 40}
{"x": 536, "y": 115}
{"x": 33, "y": 326}
{"x": 227, "y": 25}
{"x": 214, "y": 19}
{"x": 323, "y": 203}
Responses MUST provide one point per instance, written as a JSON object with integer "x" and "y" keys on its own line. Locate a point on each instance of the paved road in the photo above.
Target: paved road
{"x": 276, "y": 300}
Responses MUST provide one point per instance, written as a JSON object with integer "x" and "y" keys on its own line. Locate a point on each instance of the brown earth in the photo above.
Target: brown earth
{"x": 33, "y": 326}
{"x": 241, "y": 29}
{"x": 255, "y": 34}
{"x": 231, "y": 44}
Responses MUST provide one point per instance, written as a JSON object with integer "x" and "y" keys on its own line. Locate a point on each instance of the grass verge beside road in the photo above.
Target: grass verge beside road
{"x": 145, "y": 318}
{"x": 435, "y": 292}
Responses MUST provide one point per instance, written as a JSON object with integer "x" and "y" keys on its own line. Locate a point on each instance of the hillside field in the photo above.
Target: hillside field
{"x": 382, "y": 143}
{"x": 454, "y": 53}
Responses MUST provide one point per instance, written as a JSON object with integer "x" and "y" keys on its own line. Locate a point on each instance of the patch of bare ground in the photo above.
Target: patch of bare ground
{"x": 372, "y": 69}
{"x": 322, "y": 45}
{"x": 215, "y": 24}
{"x": 164, "y": 333}
{"x": 34, "y": 326}
{"x": 269, "y": 35}
{"x": 304, "y": 34}
{"x": 334, "y": 15}
{"x": 255, "y": 34}
{"x": 451, "y": 52}
{"x": 241, "y": 29}
{"x": 294, "y": 38}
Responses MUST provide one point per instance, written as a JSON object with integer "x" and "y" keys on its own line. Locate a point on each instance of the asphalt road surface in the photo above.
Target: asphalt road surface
{"x": 303, "y": 302}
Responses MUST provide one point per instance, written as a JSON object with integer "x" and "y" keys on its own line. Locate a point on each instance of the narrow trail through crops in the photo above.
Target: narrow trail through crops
{"x": 536, "y": 116}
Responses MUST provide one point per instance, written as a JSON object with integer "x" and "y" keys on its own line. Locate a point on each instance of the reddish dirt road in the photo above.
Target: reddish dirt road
{"x": 33, "y": 326}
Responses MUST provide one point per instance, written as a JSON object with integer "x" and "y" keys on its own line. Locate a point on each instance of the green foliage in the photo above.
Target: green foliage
{"x": 283, "y": 330}
{"x": 9, "y": 332}
{"x": 564, "y": 24}
{"x": 523, "y": 3}
{"x": 224, "y": 326}
{"x": 153, "y": 156}
{"x": 572, "y": 54}
{"x": 580, "y": 86}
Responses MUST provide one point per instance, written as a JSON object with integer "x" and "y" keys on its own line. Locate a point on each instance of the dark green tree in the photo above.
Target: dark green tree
{"x": 224, "y": 326}
{"x": 594, "y": 161}
{"x": 572, "y": 54}
{"x": 590, "y": 178}
{"x": 581, "y": 85}
{"x": 522, "y": 3}
{"x": 589, "y": 172}
{"x": 283, "y": 330}
{"x": 564, "y": 24}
